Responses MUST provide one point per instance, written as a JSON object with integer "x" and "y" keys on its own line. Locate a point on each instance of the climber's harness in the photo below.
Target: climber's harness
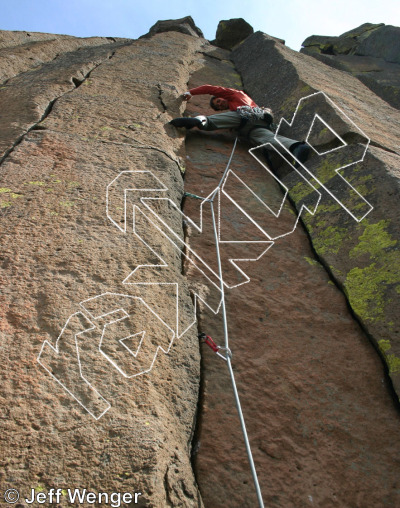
{"x": 251, "y": 116}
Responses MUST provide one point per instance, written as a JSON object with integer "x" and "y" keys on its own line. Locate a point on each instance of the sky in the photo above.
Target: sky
{"x": 291, "y": 20}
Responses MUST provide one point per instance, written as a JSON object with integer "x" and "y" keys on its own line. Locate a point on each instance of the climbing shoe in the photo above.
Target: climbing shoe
{"x": 187, "y": 122}
{"x": 301, "y": 151}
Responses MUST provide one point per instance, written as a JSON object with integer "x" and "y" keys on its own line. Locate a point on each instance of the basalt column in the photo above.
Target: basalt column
{"x": 313, "y": 390}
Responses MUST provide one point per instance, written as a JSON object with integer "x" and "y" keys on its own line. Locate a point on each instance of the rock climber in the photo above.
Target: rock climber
{"x": 251, "y": 121}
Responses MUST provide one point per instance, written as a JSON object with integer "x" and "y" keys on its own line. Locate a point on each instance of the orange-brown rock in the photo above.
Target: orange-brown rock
{"x": 313, "y": 389}
{"x": 100, "y": 270}
{"x": 71, "y": 126}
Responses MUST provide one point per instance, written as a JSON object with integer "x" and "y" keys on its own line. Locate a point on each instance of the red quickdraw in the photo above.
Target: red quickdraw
{"x": 206, "y": 339}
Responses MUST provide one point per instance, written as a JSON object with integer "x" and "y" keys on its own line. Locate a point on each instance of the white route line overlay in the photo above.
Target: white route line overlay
{"x": 162, "y": 188}
{"x": 270, "y": 210}
{"x": 87, "y": 313}
{"x": 344, "y": 144}
{"x": 200, "y": 229}
{"x": 142, "y": 332}
{"x": 56, "y": 350}
{"x": 137, "y": 210}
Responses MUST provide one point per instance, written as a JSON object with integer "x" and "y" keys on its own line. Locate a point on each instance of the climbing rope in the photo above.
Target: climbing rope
{"x": 228, "y": 355}
{"x": 185, "y": 194}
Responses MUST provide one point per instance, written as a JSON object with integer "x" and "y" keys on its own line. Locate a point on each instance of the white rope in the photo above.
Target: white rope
{"x": 228, "y": 351}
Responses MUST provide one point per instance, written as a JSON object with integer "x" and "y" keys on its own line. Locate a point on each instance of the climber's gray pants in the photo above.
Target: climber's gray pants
{"x": 257, "y": 133}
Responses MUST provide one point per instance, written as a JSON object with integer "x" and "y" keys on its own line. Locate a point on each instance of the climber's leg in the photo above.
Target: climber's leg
{"x": 226, "y": 120}
{"x": 186, "y": 122}
{"x": 299, "y": 149}
{"x": 260, "y": 136}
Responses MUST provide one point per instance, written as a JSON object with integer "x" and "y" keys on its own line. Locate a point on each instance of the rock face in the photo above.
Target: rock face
{"x": 106, "y": 266}
{"x": 77, "y": 131}
{"x": 184, "y": 25}
{"x": 298, "y": 353}
{"x": 345, "y": 44}
{"x": 369, "y": 52}
{"x": 359, "y": 249}
{"x": 231, "y": 32}
{"x": 23, "y": 51}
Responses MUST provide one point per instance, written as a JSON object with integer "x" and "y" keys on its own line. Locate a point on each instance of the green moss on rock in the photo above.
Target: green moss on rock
{"x": 392, "y": 360}
{"x": 374, "y": 240}
{"x": 330, "y": 240}
{"x": 366, "y": 287}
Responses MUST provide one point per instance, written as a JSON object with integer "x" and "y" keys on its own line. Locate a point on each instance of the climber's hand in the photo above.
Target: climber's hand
{"x": 187, "y": 96}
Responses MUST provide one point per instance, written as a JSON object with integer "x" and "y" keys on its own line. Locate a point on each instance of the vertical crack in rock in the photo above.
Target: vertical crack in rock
{"x": 317, "y": 409}
{"x": 339, "y": 284}
{"x": 364, "y": 269}
{"x": 198, "y": 420}
{"x": 160, "y": 94}
{"x": 219, "y": 70}
{"x": 185, "y": 240}
{"x": 167, "y": 489}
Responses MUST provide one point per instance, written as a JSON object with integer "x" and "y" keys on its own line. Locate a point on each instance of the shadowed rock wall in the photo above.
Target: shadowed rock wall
{"x": 361, "y": 247}
{"x": 312, "y": 387}
{"x": 369, "y": 52}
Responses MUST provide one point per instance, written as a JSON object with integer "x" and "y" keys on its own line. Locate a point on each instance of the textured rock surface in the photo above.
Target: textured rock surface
{"x": 184, "y": 25}
{"x": 21, "y": 51}
{"x": 313, "y": 389}
{"x": 363, "y": 256}
{"x": 345, "y": 44}
{"x": 382, "y": 43}
{"x": 369, "y": 52}
{"x": 231, "y": 32}
{"x": 82, "y": 128}
{"x": 68, "y": 136}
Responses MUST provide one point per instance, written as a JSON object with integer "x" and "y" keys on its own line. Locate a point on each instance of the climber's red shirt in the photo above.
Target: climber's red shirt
{"x": 234, "y": 97}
